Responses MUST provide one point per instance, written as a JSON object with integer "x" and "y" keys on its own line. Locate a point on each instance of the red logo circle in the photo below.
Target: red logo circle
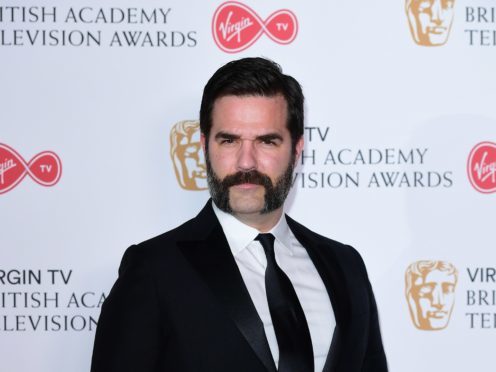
{"x": 45, "y": 168}
{"x": 481, "y": 167}
{"x": 236, "y": 26}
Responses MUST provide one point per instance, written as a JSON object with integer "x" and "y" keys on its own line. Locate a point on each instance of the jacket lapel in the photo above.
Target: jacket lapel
{"x": 331, "y": 273}
{"x": 208, "y": 252}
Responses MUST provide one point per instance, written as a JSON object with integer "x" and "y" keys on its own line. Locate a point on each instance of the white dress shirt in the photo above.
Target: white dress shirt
{"x": 293, "y": 259}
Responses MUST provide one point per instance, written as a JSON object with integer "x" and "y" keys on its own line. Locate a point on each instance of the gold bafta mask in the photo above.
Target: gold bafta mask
{"x": 430, "y": 293}
{"x": 430, "y": 20}
{"x": 187, "y": 155}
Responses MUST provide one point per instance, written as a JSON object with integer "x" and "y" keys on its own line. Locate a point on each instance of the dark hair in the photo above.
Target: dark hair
{"x": 253, "y": 77}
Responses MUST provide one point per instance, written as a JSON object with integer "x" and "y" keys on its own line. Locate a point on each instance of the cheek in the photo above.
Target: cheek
{"x": 424, "y": 304}
{"x": 273, "y": 165}
{"x": 221, "y": 164}
{"x": 447, "y": 16}
{"x": 449, "y": 299}
{"x": 424, "y": 21}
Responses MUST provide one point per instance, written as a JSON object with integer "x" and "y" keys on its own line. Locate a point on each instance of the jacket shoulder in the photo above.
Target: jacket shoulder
{"x": 340, "y": 250}
{"x": 156, "y": 248}
{"x": 180, "y": 232}
{"x": 301, "y": 230}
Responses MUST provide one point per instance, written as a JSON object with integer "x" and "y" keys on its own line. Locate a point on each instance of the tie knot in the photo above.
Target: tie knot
{"x": 267, "y": 241}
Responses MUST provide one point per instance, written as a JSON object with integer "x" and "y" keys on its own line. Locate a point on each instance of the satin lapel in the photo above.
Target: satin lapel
{"x": 334, "y": 352}
{"x": 332, "y": 275}
{"x": 213, "y": 260}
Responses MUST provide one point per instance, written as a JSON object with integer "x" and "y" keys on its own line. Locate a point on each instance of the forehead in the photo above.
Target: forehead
{"x": 430, "y": 3}
{"x": 250, "y": 114}
{"x": 188, "y": 138}
{"x": 436, "y": 276}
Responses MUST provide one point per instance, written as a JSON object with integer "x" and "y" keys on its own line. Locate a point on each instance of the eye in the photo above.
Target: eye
{"x": 425, "y": 290}
{"x": 269, "y": 142}
{"x": 448, "y": 288}
{"x": 227, "y": 141}
{"x": 424, "y": 6}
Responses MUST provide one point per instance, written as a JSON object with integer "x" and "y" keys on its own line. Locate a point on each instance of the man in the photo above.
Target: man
{"x": 242, "y": 287}
{"x": 430, "y": 292}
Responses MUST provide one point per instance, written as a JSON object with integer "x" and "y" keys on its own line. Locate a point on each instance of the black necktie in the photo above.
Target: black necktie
{"x": 290, "y": 325}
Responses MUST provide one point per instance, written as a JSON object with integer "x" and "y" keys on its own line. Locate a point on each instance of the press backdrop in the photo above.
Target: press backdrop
{"x": 400, "y": 160}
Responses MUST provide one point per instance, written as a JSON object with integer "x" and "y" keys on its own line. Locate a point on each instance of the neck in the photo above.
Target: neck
{"x": 262, "y": 222}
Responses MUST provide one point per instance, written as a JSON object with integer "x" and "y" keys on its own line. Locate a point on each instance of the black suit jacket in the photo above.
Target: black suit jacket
{"x": 180, "y": 304}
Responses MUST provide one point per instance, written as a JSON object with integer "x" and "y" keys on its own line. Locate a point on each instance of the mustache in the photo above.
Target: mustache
{"x": 255, "y": 177}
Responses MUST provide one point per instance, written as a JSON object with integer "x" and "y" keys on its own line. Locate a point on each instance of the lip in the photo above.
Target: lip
{"x": 437, "y": 30}
{"x": 199, "y": 174}
{"x": 438, "y": 314}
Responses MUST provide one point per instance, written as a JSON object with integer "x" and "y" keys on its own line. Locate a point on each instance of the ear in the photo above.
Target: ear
{"x": 203, "y": 141}
{"x": 298, "y": 149}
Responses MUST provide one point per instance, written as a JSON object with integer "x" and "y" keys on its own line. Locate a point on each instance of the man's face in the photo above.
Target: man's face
{"x": 250, "y": 157}
{"x": 430, "y": 20}
{"x": 434, "y": 297}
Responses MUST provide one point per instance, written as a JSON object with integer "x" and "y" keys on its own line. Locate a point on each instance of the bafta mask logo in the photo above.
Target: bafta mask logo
{"x": 430, "y": 293}
{"x": 430, "y": 20}
{"x": 187, "y": 155}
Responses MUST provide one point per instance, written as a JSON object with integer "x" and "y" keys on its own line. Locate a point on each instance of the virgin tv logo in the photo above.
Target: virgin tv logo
{"x": 45, "y": 168}
{"x": 235, "y": 27}
{"x": 481, "y": 167}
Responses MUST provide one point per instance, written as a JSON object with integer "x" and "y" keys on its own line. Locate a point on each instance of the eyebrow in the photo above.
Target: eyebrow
{"x": 263, "y": 137}
{"x": 225, "y": 135}
{"x": 270, "y": 137}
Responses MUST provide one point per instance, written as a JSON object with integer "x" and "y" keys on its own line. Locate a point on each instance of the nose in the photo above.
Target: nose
{"x": 247, "y": 159}
{"x": 437, "y": 12}
{"x": 438, "y": 298}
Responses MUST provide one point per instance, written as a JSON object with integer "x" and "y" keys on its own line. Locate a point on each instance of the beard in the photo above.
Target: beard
{"x": 275, "y": 193}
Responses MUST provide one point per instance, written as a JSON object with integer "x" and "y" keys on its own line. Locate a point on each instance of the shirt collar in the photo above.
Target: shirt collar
{"x": 240, "y": 235}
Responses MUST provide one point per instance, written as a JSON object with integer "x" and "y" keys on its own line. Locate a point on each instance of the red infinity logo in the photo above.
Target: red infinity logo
{"x": 236, "y": 27}
{"x": 481, "y": 167}
{"x": 45, "y": 168}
